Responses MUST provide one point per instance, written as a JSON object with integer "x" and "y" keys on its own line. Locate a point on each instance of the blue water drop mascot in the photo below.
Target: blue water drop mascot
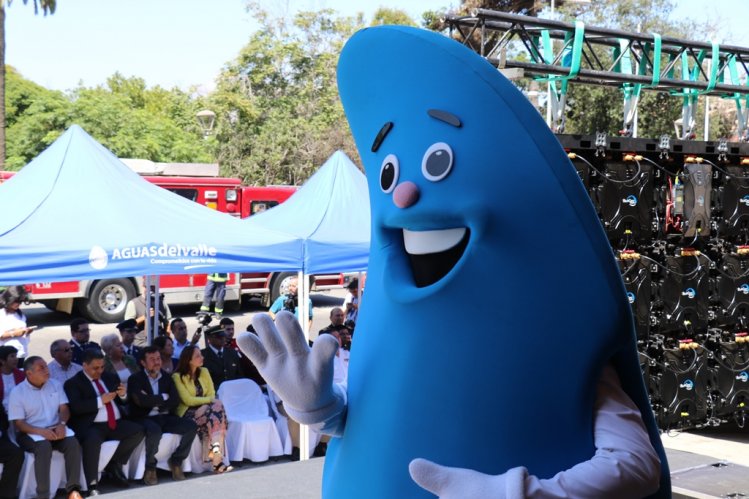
{"x": 495, "y": 352}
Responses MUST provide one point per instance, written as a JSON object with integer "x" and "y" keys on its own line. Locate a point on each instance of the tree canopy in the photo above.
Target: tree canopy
{"x": 278, "y": 115}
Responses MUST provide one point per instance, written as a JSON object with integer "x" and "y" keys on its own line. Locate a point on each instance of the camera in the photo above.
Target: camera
{"x": 291, "y": 303}
{"x": 204, "y": 319}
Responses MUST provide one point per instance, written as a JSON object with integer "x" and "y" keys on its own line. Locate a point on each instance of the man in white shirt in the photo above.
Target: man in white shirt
{"x": 178, "y": 329}
{"x": 39, "y": 409}
{"x": 61, "y": 367}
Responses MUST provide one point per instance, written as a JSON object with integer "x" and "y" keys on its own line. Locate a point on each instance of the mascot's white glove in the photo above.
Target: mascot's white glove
{"x": 301, "y": 376}
{"x": 460, "y": 483}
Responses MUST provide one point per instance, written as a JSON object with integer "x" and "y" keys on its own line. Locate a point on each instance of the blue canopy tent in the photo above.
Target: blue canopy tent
{"x": 330, "y": 213}
{"x": 77, "y": 212}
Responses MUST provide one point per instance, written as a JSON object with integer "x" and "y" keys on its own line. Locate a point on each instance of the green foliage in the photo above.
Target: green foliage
{"x": 46, "y": 6}
{"x": 278, "y": 101}
{"x": 136, "y": 122}
{"x": 278, "y": 115}
{"x": 385, "y": 16}
{"x": 35, "y": 117}
{"x": 125, "y": 116}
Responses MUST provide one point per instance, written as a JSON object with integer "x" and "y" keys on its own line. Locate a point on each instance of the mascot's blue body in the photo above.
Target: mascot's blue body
{"x": 493, "y": 300}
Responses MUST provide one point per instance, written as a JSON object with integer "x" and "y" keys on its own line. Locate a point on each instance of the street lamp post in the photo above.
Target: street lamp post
{"x": 206, "y": 119}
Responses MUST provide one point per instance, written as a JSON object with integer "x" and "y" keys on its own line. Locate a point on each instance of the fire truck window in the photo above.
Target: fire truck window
{"x": 191, "y": 194}
{"x": 260, "y": 206}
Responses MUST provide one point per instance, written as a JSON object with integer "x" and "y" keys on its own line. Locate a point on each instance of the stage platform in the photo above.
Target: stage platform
{"x": 694, "y": 476}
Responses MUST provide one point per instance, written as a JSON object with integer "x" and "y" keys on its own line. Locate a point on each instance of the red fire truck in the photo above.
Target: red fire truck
{"x": 105, "y": 300}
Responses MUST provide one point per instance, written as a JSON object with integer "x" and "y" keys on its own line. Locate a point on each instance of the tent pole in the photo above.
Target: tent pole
{"x": 303, "y": 294}
{"x": 149, "y": 304}
{"x": 156, "y": 307}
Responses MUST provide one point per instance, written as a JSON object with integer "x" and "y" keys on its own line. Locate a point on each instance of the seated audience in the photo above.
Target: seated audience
{"x": 178, "y": 329}
{"x": 165, "y": 346}
{"x": 336, "y": 319}
{"x": 222, "y": 363}
{"x": 198, "y": 402}
{"x": 115, "y": 361}
{"x": 61, "y": 367}
{"x": 340, "y": 361}
{"x": 153, "y": 395}
{"x": 248, "y": 369}
{"x": 11, "y": 457}
{"x": 128, "y": 329}
{"x": 81, "y": 334}
{"x": 39, "y": 409}
{"x": 97, "y": 400}
{"x": 10, "y": 375}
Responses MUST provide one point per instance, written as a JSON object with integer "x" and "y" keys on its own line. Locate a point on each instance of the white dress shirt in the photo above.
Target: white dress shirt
{"x": 38, "y": 407}
{"x": 101, "y": 416}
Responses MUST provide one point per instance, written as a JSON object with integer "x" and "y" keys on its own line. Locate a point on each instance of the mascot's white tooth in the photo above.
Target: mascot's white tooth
{"x": 431, "y": 241}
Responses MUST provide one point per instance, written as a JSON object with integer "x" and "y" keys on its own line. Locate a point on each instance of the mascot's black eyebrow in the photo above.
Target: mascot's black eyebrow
{"x": 381, "y": 135}
{"x": 448, "y": 118}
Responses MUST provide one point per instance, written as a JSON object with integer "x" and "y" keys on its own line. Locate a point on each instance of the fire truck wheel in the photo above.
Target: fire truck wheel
{"x": 107, "y": 300}
{"x": 280, "y": 285}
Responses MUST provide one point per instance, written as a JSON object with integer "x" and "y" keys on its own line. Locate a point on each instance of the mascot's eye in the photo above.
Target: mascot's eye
{"x": 389, "y": 173}
{"x": 437, "y": 162}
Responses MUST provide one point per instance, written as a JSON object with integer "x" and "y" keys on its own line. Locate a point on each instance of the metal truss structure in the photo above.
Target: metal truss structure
{"x": 604, "y": 56}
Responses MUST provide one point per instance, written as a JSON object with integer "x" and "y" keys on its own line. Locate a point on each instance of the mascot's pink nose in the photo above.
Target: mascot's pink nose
{"x": 405, "y": 194}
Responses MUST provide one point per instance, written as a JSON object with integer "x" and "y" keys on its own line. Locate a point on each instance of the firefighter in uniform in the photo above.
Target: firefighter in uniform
{"x": 215, "y": 285}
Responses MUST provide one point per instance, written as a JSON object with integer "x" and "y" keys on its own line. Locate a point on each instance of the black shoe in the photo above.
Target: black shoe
{"x": 294, "y": 454}
{"x": 117, "y": 477}
{"x": 320, "y": 450}
{"x": 93, "y": 491}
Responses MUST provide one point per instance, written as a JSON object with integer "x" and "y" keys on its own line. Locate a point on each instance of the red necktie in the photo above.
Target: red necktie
{"x": 111, "y": 420}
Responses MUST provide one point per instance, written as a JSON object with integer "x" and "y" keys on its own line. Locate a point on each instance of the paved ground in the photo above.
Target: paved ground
{"x": 298, "y": 480}
{"x": 694, "y": 475}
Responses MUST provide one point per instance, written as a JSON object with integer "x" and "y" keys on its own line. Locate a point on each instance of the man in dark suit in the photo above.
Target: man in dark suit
{"x": 152, "y": 396}
{"x": 222, "y": 363}
{"x": 81, "y": 333}
{"x": 11, "y": 457}
{"x": 97, "y": 400}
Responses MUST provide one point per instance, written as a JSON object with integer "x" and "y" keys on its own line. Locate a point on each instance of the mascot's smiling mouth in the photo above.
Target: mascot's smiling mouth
{"x": 433, "y": 253}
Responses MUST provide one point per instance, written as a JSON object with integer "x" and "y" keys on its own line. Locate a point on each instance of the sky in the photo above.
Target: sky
{"x": 185, "y": 43}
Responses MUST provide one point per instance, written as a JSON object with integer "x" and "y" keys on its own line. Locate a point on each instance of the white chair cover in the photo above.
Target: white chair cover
{"x": 252, "y": 433}
{"x": 57, "y": 477}
{"x": 282, "y": 422}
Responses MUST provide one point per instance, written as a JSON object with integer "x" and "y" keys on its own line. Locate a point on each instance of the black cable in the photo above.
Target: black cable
{"x": 668, "y": 270}
{"x": 740, "y": 177}
{"x": 657, "y": 166}
{"x": 723, "y": 273}
{"x": 603, "y": 175}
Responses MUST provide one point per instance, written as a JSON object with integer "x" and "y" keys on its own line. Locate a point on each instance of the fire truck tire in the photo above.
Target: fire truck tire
{"x": 107, "y": 300}
{"x": 280, "y": 284}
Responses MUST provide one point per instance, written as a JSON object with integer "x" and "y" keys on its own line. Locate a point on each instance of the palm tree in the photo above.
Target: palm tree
{"x": 47, "y": 7}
